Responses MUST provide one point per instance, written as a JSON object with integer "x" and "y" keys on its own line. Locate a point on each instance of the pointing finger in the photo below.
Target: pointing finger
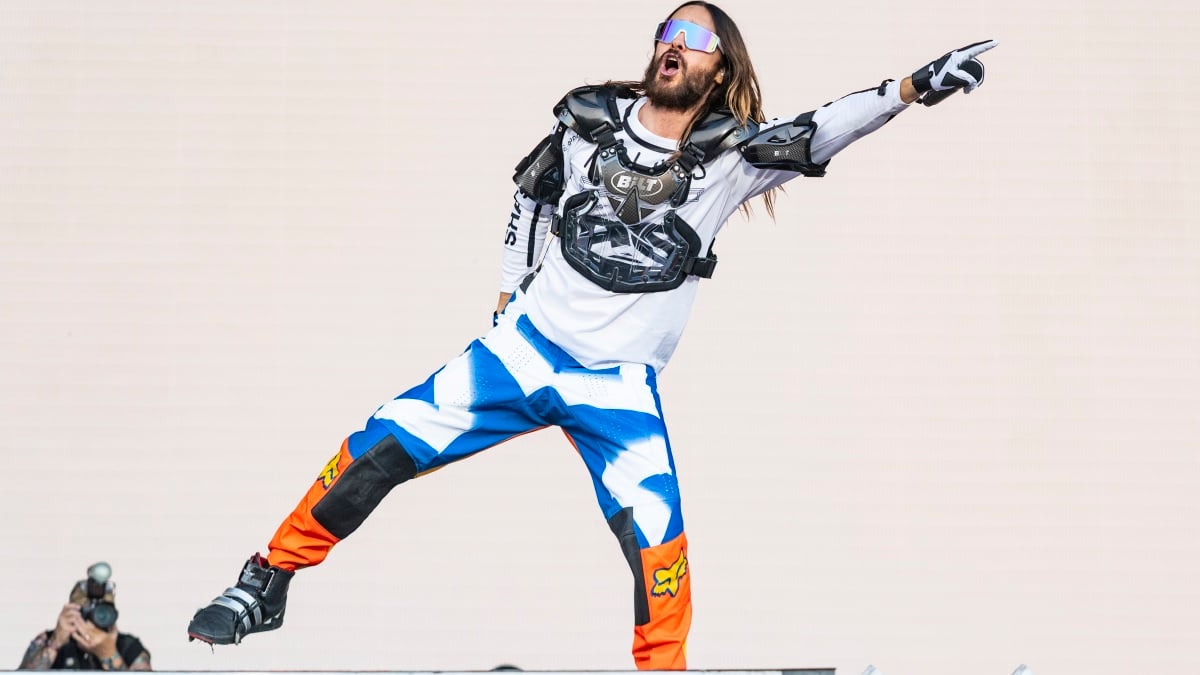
{"x": 979, "y": 48}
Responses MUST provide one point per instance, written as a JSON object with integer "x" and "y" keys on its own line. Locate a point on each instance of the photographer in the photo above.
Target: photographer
{"x": 85, "y": 636}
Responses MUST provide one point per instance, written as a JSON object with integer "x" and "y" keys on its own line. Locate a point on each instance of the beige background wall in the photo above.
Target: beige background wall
{"x": 940, "y": 417}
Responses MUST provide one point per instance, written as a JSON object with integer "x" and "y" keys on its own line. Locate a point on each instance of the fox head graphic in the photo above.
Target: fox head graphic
{"x": 666, "y": 579}
{"x": 330, "y": 472}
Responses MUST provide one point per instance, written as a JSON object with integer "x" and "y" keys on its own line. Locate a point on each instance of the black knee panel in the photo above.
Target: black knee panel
{"x": 362, "y": 486}
{"x": 621, "y": 525}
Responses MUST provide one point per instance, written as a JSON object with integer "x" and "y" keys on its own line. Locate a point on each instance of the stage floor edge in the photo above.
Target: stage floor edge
{"x": 785, "y": 671}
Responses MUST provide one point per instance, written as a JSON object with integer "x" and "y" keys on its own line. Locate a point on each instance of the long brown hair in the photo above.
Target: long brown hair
{"x": 738, "y": 91}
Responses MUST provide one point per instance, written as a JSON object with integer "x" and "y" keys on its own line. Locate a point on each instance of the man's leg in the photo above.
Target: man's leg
{"x": 470, "y": 404}
{"x": 369, "y": 464}
{"x": 622, "y": 438}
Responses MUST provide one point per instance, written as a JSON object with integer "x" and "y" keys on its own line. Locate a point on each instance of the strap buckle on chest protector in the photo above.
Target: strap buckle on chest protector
{"x": 689, "y": 158}
{"x": 701, "y": 267}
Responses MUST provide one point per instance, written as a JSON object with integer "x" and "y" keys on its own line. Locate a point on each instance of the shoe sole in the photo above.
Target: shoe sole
{"x": 208, "y": 639}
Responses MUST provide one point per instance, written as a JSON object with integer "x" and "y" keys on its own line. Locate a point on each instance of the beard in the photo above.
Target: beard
{"x": 685, "y": 91}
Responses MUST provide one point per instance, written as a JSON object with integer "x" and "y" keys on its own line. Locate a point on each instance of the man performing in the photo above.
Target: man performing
{"x": 634, "y": 182}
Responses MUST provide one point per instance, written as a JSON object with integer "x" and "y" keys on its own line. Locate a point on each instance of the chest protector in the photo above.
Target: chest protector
{"x": 645, "y": 248}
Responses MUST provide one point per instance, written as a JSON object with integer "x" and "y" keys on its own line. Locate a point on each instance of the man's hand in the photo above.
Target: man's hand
{"x": 948, "y": 72}
{"x": 500, "y": 305}
{"x": 68, "y": 619}
{"x": 99, "y": 643}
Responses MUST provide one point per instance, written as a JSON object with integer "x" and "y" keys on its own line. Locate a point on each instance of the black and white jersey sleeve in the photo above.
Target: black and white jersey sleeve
{"x": 783, "y": 149}
{"x": 539, "y": 178}
{"x": 851, "y": 117}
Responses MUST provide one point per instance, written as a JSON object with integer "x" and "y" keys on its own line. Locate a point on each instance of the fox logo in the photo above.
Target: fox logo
{"x": 330, "y": 472}
{"x": 666, "y": 579}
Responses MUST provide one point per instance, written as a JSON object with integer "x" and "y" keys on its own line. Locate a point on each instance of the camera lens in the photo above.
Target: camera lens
{"x": 102, "y": 614}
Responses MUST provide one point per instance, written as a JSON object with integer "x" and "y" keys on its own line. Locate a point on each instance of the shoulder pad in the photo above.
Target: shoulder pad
{"x": 719, "y": 131}
{"x": 587, "y": 110}
{"x": 784, "y": 146}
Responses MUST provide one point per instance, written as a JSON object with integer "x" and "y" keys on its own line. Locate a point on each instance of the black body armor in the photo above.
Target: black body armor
{"x": 632, "y": 254}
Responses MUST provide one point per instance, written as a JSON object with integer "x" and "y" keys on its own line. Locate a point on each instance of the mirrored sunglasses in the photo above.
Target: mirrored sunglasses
{"x": 695, "y": 37}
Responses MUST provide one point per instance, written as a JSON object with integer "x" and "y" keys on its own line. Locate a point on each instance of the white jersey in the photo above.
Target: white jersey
{"x": 601, "y": 328}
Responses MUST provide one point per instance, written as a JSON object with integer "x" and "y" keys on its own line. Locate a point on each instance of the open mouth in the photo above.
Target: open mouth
{"x": 671, "y": 64}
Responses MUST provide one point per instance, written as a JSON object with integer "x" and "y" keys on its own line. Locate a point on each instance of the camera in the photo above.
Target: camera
{"x": 98, "y": 610}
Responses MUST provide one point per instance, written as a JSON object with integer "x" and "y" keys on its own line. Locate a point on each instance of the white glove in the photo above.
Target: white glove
{"x": 953, "y": 70}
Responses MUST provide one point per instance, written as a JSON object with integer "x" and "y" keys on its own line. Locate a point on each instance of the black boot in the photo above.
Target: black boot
{"x": 254, "y": 605}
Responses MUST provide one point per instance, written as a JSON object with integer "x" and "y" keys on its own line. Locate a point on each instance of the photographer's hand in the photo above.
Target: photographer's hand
{"x": 99, "y": 643}
{"x": 68, "y": 619}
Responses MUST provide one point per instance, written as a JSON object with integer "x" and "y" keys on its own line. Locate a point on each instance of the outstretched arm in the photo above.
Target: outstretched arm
{"x": 851, "y": 117}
